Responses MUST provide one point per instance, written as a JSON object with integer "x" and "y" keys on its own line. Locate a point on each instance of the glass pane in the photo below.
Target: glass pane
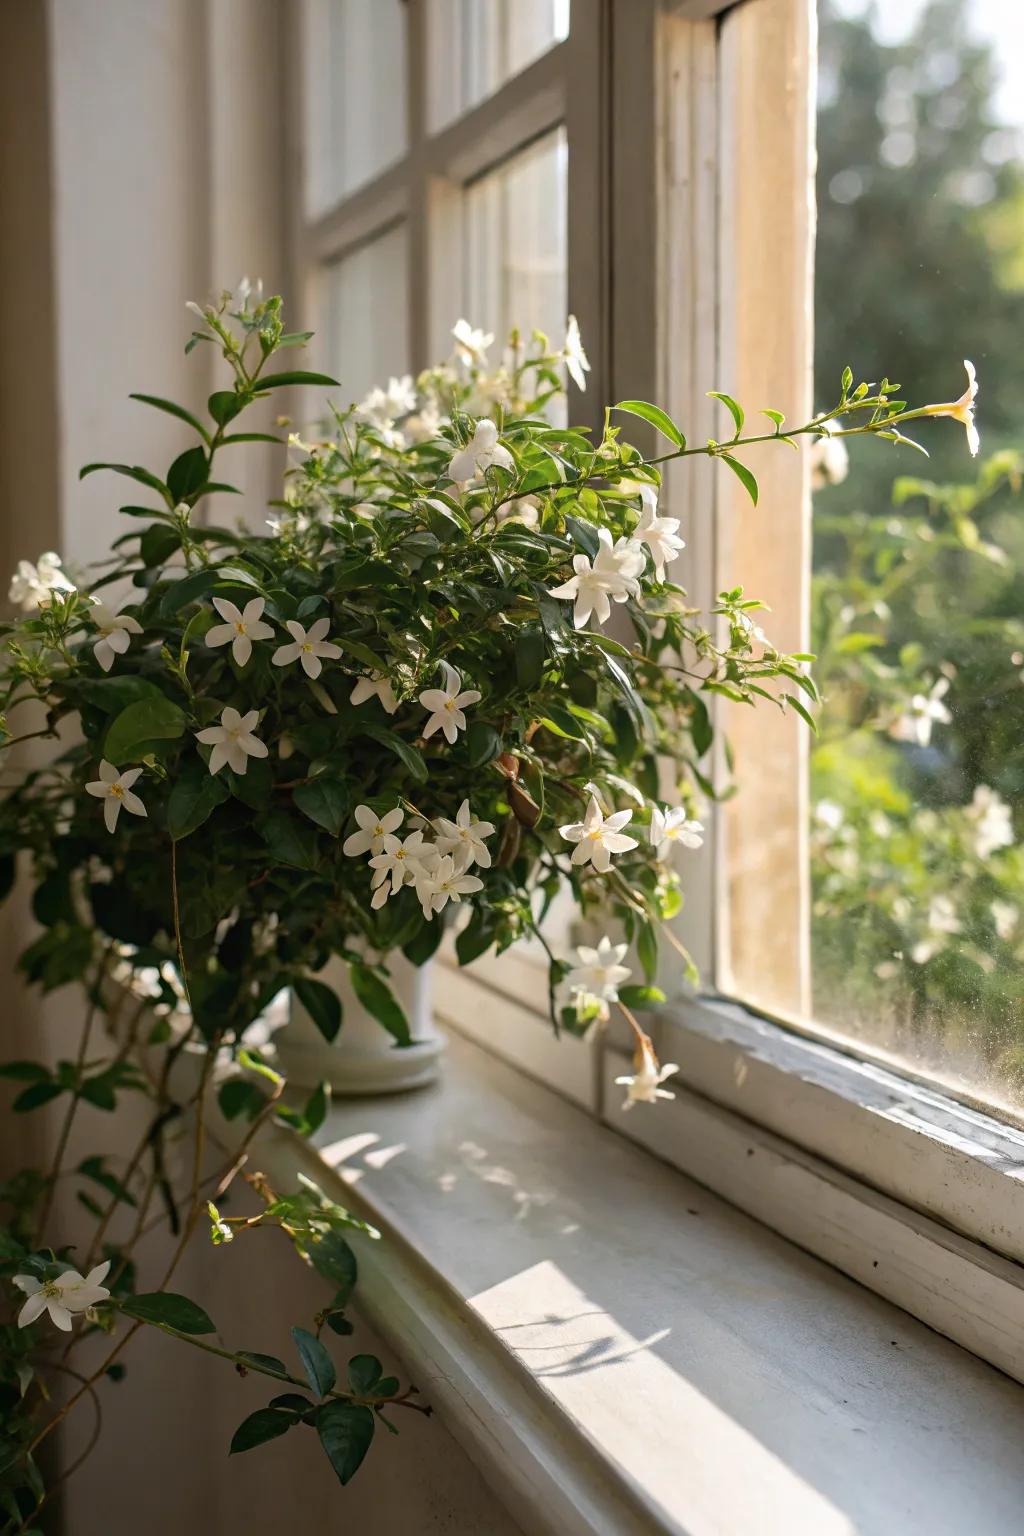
{"x": 516, "y": 242}
{"x": 917, "y": 779}
{"x": 355, "y": 82}
{"x": 366, "y": 314}
{"x": 476, "y": 45}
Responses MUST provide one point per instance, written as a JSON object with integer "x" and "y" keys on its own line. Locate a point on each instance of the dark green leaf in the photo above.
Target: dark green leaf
{"x": 271, "y": 1362}
{"x": 325, "y": 801}
{"x": 173, "y": 410}
{"x": 132, "y": 471}
{"x": 316, "y": 1362}
{"x": 379, "y": 1000}
{"x": 335, "y": 1260}
{"x": 364, "y": 1371}
{"x": 482, "y": 744}
{"x": 237, "y": 1097}
{"x": 321, "y": 1003}
{"x": 224, "y": 406}
{"x": 265, "y": 1424}
{"x": 196, "y": 794}
{"x": 167, "y": 1310}
{"x": 315, "y": 1112}
{"x": 290, "y": 840}
{"x": 35, "y": 1096}
{"x": 530, "y": 651}
{"x": 412, "y": 759}
{"x": 657, "y": 418}
{"x": 25, "y": 1071}
{"x": 276, "y": 380}
{"x": 346, "y": 1432}
{"x": 132, "y": 733}
{"x": 187, "y": 474}
{"x": 647, "y": 949}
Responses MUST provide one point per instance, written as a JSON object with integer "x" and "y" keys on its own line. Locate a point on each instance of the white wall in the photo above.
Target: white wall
{"x": 131, "y": 186}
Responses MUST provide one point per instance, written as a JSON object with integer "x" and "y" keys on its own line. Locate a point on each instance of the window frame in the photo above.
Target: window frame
{"x": 913, "y": 1193}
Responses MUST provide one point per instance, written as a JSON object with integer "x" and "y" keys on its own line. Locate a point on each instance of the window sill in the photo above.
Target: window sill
{"x": 621, "y": 1352}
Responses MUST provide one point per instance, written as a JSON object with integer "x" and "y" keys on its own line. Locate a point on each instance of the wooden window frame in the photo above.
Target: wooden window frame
{"x": 914, "y": 1194}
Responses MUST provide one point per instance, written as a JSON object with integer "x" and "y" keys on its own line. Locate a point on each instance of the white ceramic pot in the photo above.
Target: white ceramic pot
{"x": 364, "y": 1058}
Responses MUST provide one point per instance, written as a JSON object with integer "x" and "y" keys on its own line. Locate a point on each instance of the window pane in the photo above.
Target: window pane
{"x": 355, "y": 82}
{"x": 476, "y": 45}
{"x": 366, "y": 314}
{"x": 515, "y": 242}
{"x": 917, "y": 780}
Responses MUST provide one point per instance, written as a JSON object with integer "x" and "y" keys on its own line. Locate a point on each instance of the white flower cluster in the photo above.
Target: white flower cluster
{"x": 598, "y": 836}
{"x": 437, "y": 870}
{"x": 593, "y": 984}
{"x": 611, "y": 576}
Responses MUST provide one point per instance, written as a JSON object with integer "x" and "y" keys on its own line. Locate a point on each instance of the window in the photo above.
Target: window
{"x": 685, "y": 240}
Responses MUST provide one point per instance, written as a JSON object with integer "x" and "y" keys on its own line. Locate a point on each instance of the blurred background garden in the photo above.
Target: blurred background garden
{"x": 917, "y": 793}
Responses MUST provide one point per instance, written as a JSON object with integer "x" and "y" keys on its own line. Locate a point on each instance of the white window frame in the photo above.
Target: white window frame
{"x": 915, "y": 1194}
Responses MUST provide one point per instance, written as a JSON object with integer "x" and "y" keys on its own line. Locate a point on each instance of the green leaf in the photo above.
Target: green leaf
{"x": 316, "y": 1362}
{"x": 224, "y": 405}
{"x": 277, "y": 380}
{"x": 265, "y": 1424}
{"x": 776, "y": 416}
{"x": 333, "y": 1258}
{"x": 131, "y": 472}
{"x": 187, "y": 474}
{"x": 237, "y": 1097}
{"x": 315, "y": 1112}
{"x": 25, "y": 1071}
{"x": 364, "y": 1372}
{"x": 271, "y": 1362}
{"x": 379, "y": 1000}
{"x": 174, "y": 410}
{"x": 94, "y": 1168}
{"x": 530, "y": 652}
{"x": 35, "y": 1097}
{"x": 322, "y": 1005}
{"x": 735, "y": 410}
{"x": 802, "y": 711}
{"x": 743, "y": 474}
{"x": 647, "y": 949}
{"x": 641, "y": 997}
{"x": 413, "y": 760}
{"x": 194, "y": 798}
{"x": 325, "y": 801}
{"x": 482, "y": 744}
{"x": 346, "y": 1433}
{"x": 166, "y": 1310}
{"x": 132, "y": 733}
{"x": 657, "y": 418}
{"x": 290, "y": 840}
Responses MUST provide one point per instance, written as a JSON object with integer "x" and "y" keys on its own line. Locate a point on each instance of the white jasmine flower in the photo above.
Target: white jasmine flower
{"x": 479, "y": 454}
{"x": 115, "y": 790}
{"x": 1005, "y": 916}
{"x": 660, "y": 534}
{"x": 375, "y": 686}
{"x": 611, "y": 577}
{"x": 307, "y": 647}
{"x": 425, "y": 424}
{"x": 446, "y": 705}
{"x": 464, "y": 838}
{"x": 233, "y": 741}
{"x": 962, "y": 410}
{"x": 442, "y": 882}
{"x": 643, "y": 1087}
{"x": 382, "y": 406}
{"x": 574, "y": 356}
{"x": 115, "y": 632}
{"x": 993, "y": 821}
{"x": 669, "y": 827}
{"x": 831, "y": 816}
{"x": 597, "y": 837}
{"x": 32, "y": 586}
{"x": 471, "y": 344}
{"x": 399, "y": 861}
{"x": 521, "y": 509}
{"x": 373, "y": 830}
{"x": 63, "y": 1297}
{"x": 242, "y": 294}
{"x": 924, "y": 710}
{"x": 240, "y": 627}
{"x": 600, "y": 971}
{"x": 830, "y": 461}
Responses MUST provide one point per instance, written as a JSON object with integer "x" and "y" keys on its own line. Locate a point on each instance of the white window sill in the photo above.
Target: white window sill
{"x": 620, "y": 1351}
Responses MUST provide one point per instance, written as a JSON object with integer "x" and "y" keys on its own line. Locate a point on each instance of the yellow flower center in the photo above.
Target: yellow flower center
{"x": 595, "y": 836}
{"x": 378, "y": 830}
{"x": 308, "y": 647}
{"x": 51, "y": 1289}
{"x": 117, "y": 791}
{"x": 239, "y": 627}
{"x": 449, "y": 704}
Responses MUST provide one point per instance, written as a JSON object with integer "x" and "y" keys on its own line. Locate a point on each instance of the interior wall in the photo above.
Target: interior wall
{"x": 140, "y": 166}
